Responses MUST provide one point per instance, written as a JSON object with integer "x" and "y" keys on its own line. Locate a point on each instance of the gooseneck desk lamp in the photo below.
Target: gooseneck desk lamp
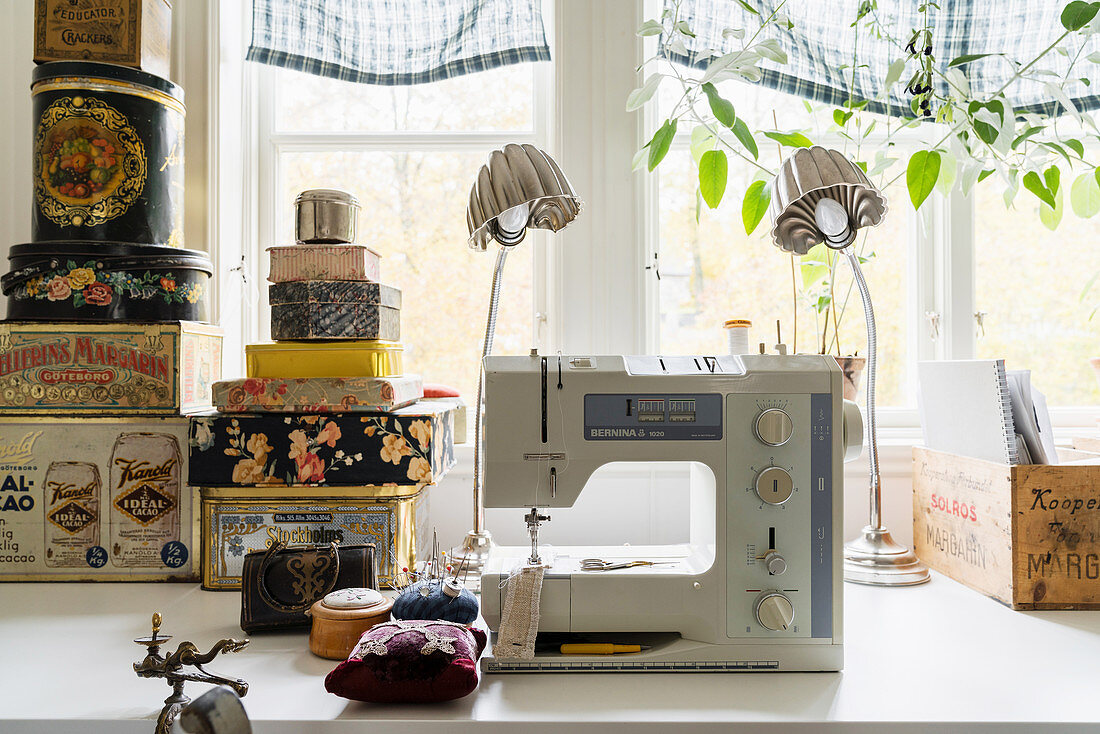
{"x": 519, "y": 188}
{"x": 821, "y": 196}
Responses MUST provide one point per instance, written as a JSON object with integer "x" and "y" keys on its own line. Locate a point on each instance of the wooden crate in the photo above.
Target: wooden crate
{"x": 135, "y": 33}
{"x": 1028, "y": 535}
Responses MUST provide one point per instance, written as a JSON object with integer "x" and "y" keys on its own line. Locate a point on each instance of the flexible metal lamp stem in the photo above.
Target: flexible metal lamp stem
{"x": 519, "y": 188}
{"x": 820, "y": 196}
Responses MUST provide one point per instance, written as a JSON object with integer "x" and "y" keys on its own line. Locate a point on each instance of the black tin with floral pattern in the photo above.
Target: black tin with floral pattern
{"x": 110, "y": 281}
{"x": 108, "y": 155}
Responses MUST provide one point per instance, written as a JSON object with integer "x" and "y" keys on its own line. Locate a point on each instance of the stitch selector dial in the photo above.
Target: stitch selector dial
{"x": 774, "y": 611}
{"x": 774, "y": 485}
{"x": 773, "y": 427}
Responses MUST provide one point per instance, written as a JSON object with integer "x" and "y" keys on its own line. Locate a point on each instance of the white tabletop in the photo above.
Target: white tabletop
{"x": 940, "y": 653}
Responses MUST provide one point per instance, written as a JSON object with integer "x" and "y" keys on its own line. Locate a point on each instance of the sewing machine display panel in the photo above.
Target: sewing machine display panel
{"x": 669, "y": 417}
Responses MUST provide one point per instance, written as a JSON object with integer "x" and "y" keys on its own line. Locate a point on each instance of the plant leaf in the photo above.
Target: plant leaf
{"x": 949, "y": 169}
{"x": 771, "y": 50}
{"x": 713, "y": 170}
{"x": 1034, "y": 184}
{"x": 921, "y": 175}
{"x": 639, "y": 160}
{"x": 1033, "y": 130}
{"x": 893, "y": 74}
{"x": 720, "y": 64}
{"x": 642, "y": 94}
{"x": 1084, "y": 196}
{"x": 966, "y": 59}
{"x": 743, "y": 134}
{"x": 649, "y": 28}
{"x": 658, "y": 146}
{"x": 702, "y": 140}
{"x": 840, "y": 117}
{"x": 758, "y": 198}
{"x": 748, "y": 7}
{"x": 1053, "y": 178}
{"x": 1077, "y": 15}
{"x": 793, "y": 140}
{"x": 1051, "y": 218}
{"x": 721, "y": 107}
{"x": 1076, "y": 146}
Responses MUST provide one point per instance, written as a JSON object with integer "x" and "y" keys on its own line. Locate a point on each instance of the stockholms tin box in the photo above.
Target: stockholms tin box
{"x": 238, "y": 520}
{"x": 96, "y": 499}
{"x": 406, "y": 447}
{"x": 122, "y": 368}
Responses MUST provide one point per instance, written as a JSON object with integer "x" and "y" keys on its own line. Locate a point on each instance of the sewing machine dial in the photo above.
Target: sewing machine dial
{"x": 773, "y": 427}
{"x": 774, "y": 485}
{"x": 774, "y": 611}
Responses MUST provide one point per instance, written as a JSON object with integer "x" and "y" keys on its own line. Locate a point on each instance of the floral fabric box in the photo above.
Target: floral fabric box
{"x": 317, "y": 394}
{"x": 323, "y": 262}
{"x": 322, "y": 309}
{"x": 410, "y": 446}
{"x": 118, "y": 368}
{"x": 238, "y": 520}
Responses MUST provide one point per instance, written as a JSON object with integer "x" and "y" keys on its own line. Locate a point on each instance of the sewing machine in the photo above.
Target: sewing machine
{"x": 758, "y": 585}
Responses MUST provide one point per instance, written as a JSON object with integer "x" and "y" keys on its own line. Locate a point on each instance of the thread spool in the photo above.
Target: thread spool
{"x": 737, "y": 331}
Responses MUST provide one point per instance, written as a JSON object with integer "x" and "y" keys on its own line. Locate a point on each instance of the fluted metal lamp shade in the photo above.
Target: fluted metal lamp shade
{"x": 520, "y": 187}
{"x": 809, "y": 176}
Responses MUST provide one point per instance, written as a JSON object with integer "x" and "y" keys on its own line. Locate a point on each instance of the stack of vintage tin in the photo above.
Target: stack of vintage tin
{"x": 326, "y": 439}
{"x": 102, "y": 353}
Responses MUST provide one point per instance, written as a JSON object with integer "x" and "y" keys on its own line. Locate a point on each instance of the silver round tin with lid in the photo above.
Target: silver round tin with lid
{"x": 325, "y": 216}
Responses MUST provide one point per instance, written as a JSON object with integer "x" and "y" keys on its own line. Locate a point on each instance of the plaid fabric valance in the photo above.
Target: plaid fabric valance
{"x": 396, "y": 42}
{"x": 820, "y": 47}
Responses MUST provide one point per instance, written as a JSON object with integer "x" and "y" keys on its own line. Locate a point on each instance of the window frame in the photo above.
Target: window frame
{"x": 595, "y": 289}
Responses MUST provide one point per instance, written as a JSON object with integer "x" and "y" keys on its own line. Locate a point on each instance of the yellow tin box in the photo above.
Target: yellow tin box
{"x": 236, "y": 520}
{"x": 342, "y": 358}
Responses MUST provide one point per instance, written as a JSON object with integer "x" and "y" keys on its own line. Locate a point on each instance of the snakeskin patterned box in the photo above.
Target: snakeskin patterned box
{"x": 329, "y": 309}
{"x": 317, "y": 394}
{"x": 406, "y": 447}
{"x": 120, "y": 368}
{"x": 323, "y": 262}
{"x": 238, "y": 520}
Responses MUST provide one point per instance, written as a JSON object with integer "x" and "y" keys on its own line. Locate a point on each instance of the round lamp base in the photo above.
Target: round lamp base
{"x": 469, "y": 558}
{"x": 875, "y": 559}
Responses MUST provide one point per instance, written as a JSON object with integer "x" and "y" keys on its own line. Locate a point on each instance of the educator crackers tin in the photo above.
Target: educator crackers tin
{"x": 122, "y": 368}
{"x": 238, "y": 520}
{"x": 405, "y": 447}
{"x": 333, "y": 309}
{"x": 96, "y": 499}
{"x": 134, "y": 33}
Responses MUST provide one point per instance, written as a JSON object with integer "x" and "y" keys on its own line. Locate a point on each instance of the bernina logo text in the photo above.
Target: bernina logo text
{"x": 616, "y": 433}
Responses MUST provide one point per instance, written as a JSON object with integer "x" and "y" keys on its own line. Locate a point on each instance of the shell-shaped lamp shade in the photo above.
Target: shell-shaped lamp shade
{"x": 807, "y": 177}
{"x": 520, "y": 187}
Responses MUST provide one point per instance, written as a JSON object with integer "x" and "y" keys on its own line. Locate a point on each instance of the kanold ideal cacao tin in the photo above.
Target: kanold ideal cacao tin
{"x": 117, "y": 368}
{"x": 111, "y": 281}
{"x": 238, "y": 520}
{"x": 96, "y": 499}
{"x": 108, "y": 155}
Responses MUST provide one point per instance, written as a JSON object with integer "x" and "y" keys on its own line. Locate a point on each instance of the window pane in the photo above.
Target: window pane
{"x": 712, "y": 271}
{"x": 1029, "y": 282}
{"x": 414, "y": 214}
{"x": 500, "y": 99}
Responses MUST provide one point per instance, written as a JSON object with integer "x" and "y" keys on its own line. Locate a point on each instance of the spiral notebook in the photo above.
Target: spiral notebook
{"x": 966, "y": 409}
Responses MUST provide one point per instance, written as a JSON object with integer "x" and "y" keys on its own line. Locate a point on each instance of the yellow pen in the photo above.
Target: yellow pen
{"x": 604, "y": 648}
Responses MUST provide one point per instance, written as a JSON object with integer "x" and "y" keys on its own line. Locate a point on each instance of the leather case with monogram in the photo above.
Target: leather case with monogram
{"x": 280, "y": 584}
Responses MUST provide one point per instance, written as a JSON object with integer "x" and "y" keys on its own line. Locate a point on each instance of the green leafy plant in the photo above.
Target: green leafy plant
{"x": 967, "y": 138}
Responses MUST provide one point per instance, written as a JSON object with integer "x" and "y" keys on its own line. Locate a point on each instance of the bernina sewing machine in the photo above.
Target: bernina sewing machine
{"x": 758, "y": 585}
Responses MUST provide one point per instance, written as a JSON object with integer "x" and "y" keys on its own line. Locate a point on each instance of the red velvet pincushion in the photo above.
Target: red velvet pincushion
{"x": 410, "y": 661}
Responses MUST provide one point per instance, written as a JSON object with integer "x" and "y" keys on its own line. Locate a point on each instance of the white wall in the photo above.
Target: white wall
{"x": 16, "y": 136}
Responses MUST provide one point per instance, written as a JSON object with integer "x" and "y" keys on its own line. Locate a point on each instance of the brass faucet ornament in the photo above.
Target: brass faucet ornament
{"x": 171, "y": 668}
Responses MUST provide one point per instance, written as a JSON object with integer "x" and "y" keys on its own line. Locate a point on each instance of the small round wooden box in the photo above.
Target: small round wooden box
{"x": 341, "y": 618}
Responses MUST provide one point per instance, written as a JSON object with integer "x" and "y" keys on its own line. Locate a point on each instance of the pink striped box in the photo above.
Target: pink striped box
{"x": 323, "y": 262}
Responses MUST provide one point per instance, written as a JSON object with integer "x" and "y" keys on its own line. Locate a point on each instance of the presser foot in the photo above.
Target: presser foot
{"x": 876, "y": 560}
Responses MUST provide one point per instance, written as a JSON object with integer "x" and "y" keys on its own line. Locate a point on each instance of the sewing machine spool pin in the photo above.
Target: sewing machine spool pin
{"x": 171, "y": 668}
